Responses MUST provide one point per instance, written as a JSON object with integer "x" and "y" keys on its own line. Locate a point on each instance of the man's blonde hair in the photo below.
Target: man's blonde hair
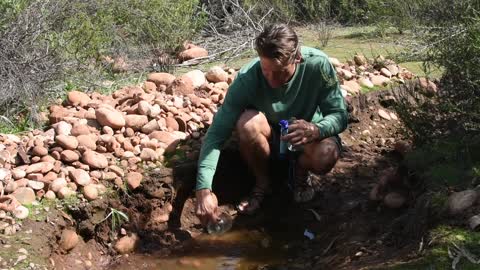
{"x": 278, "y": 41}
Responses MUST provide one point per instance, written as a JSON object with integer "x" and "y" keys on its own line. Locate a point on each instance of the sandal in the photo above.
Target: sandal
{"x": 251, "y": 204}
{"x": 303, "y": 190}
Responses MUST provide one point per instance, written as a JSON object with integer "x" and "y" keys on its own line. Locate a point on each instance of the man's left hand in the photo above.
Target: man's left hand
{"x": 301, "y": 132}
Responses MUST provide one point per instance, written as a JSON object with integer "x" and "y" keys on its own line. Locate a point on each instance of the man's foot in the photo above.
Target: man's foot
{"x": 303, "y": 190}
{"x": 251, "y": 204}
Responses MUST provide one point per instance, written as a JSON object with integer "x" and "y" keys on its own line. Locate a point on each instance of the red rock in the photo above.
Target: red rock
{"x": 143, "y": 108}
{"x": 181, "y": 86}
{"x": 160, "y": 78}
{"x": 148, "y": 154}
{"x": 76, "y": 98}
{"x": 69, "y": 156}
{"x": 94, "y": 159}
{"x": 134, "y": 179}
{"x": 90, "y": 192}
{"x": 41, "y": 167}
{"x": 192, "y": 53}
{"x": 110, "y": 117}
{"x": 80, "y": 130}
{"x": 57, "y": 184}
{"x": 149, "y": 86}
{"x": 163, "y": 136}
{"x": 379, "y": 80}
{"x": 216, "y": 74}
{"x": 67, "y": 142}
{"x": 197, "y": 77}
{"x": 171, "y": 123}
{"x": 24, "y": 195}
{"x": 126, "y": 244}
{"x": 39, "y": 151}
{"x": 136, "y": 121}
{"x": 80, "y": 177}
{"x": 68, "y": 240}
{"x": 150, "y": 127}
{"x": 88, "y": 141}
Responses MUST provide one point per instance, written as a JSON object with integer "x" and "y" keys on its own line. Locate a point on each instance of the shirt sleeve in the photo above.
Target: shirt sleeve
{"x": 222, "y": 126}
{"x": 331, "y": 103}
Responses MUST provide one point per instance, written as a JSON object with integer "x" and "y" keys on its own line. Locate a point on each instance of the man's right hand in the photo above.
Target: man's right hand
{"x": 207, "y": 206}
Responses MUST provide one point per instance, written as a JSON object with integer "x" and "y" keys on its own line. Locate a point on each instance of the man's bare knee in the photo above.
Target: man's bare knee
{"x": 251, "y": 124}
{"x": 323, "y": 156}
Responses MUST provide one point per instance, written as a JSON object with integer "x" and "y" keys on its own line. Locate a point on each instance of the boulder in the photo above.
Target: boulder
{"x": 110, "y": 117}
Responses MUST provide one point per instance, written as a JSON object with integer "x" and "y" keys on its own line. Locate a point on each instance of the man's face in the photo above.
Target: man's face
{"x": 275, "y": 72}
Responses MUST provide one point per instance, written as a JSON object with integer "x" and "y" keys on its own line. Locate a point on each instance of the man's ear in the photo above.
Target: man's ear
{"x": 298, "y": 58}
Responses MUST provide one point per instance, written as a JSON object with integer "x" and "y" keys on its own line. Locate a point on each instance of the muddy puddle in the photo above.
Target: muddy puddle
{"x": 235, "y": 250}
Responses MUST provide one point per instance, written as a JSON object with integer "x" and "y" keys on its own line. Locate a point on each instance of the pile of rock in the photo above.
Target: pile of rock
{"x": 95, "y": 138}
{"x": 368, "y": 73}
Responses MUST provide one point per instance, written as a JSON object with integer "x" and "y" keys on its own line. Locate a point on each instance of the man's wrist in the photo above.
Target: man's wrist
{"x": 203, "y": 191}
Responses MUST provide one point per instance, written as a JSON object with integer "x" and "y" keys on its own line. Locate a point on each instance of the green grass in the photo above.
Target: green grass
{"x": 436, "y": 257}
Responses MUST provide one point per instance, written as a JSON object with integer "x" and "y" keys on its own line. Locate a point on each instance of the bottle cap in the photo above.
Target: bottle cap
{"x": 284, "y": 124}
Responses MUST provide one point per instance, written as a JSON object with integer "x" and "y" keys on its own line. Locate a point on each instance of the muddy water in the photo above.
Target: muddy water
{"x": 235, "y": 250}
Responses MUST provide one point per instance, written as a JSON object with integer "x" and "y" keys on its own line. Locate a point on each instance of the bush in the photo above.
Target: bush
{"x": 41, "y": 41}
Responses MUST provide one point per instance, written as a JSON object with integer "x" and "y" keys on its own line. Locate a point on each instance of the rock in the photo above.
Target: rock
{"x": 460, "y": 201}
{"x": 359, "y": 59}
{"x": 62, "y": 128}
{"x": 365, "y": 82}
{"x": 134, "y": 179}
{"x": 24, "y": 195}
{"x": 76, "y": 98}
{"x": 80, "y": 177}
{"x": 80, "y": 130}
{"x": 335, "y": 62}
{"x": 379, "y": 80}
{"x": 57, "y": 184}
{"x": 393, "y": 69}
{"x": 21, "y": 212}
{"x": 110, "y": 117}
{"x": 148, "y": 154}
{"x": 135, "y": 121}
{"x": 149, "y": 87}
{"x": 17, "y": 174}
{"x": 5, "y": 174}
{"x": 385, "y": 72}
{"x": 394, "y": 200}
{"x": 160, "y": 78}
{"x": 39, "y": 151}
{"x": 347, "y": 75}
{"x": 94, "y": 159}
{"x": 67, "y": 142}
{"x": 50, "y": 195}
{"x": 383, "y": 114}
{"x": 428, "y": 87}
{"x": 69, "y": 156}
{"x": 352, "y": 87}
{"x": 65, "y": 192}
{"x": 150, "y": 127}
{"x": 216, "y": 74}
{"x": 42, "y": 167}
{"x": 90, "y": 192}
{"x": 402, "y": 147}
{"x": 163, "y": 136}
{"x": 88, "y": 141}
{"x": 181, "y": 86}
{"x": 36, "y": 185}
{"x": 68, "y": 240}
{"x": 143, "y": 108}
{"x": 192, "y": 53}
{"x": 197, "y": 77}
{"x": 126, "y": 244}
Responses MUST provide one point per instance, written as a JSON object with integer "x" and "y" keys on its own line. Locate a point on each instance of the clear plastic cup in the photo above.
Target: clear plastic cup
{"x": 222, "y": 225}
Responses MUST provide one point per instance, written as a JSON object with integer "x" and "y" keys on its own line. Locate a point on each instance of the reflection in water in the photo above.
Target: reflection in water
{"x": 235, "y": 250}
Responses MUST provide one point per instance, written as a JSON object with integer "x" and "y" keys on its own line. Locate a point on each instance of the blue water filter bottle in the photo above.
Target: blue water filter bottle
{"x": 283, "y": 144}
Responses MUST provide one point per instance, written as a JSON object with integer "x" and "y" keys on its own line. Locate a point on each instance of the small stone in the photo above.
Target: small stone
{"x": 394, "y": 200}
{"x": 39, "y": 151}
{"x": 67, "y": 142}
{"x": 134, "y": 179}
{"x": 69, "y": 156}
{"x": 216, "y": 74}
{"x": 65, "y": 192}
{"x": 460, "y": 201}
{"x": 94, "y": 159}
{"x": 90, "y": 192}
{"x": 68, "y": 240}
{"x": 77, "y": 98}
{"x": 383, "y": 114}
{"x": 24, "y": 195}
{"x": 36, "y": 185}
{"x": 80, "y": 177}
{"x": 18, "y": 173}
{"x": 21, "y": 212}
{"x": 50, "y": 195}
{"x": 126, "y": 244}
{"x": 57, "y": 184}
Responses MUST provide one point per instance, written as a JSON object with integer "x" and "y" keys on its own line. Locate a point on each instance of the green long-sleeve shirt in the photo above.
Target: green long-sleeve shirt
{"x": 312, "y": 94}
